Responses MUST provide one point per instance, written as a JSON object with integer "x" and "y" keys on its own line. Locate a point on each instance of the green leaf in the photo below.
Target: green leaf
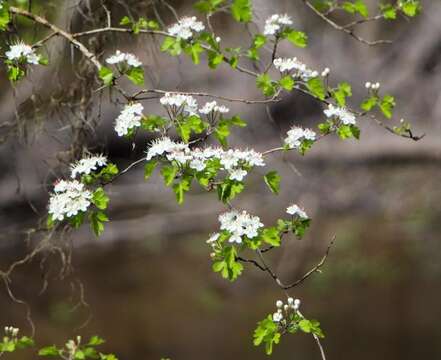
{"x": 267, "y": 333}
{"x": 229, "y": 267}
{"x": 181, "y": 188}
{"x": 317, "y": 88}
{"x": 106, "y": 75}
{"x": 149, "y": 167}
{"x": 297, "y": 38}
{"x": 171, "y": 46}
{"x": 348, "y": 131}
{"x": 356, "y": 7}
{"x": 100, "y": 199}
{"x": 194, "y": 50}
{"x": 208, "y": 6}
{"x": 272, "y": 180}
{"x": 125, "y": 21}
{"x": 410, "y": 8}
{"x": 97, "y": 220}
{"x": 49, "y": 351}
{"x": 259, "y": 40}
{"x": 214, "y": 59}
{"x": 287, "y": 82}
{"x": 387, "y": 106}
{"x": 4, "y": 17}
{"x": 153, "y": 122}
{"x": 369, "y": 103}
{"x": 389, "y": 12}
{"x": 15, "y": 73}
{"x": 189, "y": 124}
{"x": 241, "y": 10}
{"x": 325, "y": 128}
{"x": 136, "y": 75}
{"x": 271, "y": 236}
{"x": 265, "y": 84}
{"x": 169, "y": 174}
{"x": 229, "y": 189}
{"x": 95, "y": 341}
{"x": 340, "y": 94}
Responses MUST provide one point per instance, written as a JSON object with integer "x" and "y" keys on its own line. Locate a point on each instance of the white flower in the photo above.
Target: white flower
{"x": 342, "y": 114}
{"x": 212, "y": 106}
{"x": 213, "y": 238}
{"x": 180, "y": 102}
{"x": 68, "y": 199}
{"x": 240, "y": 224}
{"x": 185, "y": 27}
{"x": 297, "y": 303}
{"x": 120, "y": 57}
{"x": 299, "y": 69}
{"x": 87, "y": 165}
{"x": 279, "y": 303}
{"x": 277, "y": 317}
{"x": 326, "y": 72}
{"x": 159, "y": 147}
{"x": 237, "y": 174}
{"x": 129, "y": 118}
{"x": 295, "y": 210}
{"x": 275, "y": 23}
{"x": 22, "y": 52}
{"x": 296, "y": 135}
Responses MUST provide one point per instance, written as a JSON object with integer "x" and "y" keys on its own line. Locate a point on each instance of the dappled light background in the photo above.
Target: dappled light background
{"x": 146, "y": 285}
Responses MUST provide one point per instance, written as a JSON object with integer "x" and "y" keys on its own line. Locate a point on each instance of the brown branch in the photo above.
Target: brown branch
{"x": 345, "y": 28}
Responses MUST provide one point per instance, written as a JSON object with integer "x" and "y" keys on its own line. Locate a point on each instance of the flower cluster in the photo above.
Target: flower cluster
{"x": 22, "y": 53}
{"x": 87, "y": 165}
{"x": 125, "y": 58}
{"x": 185, "y": 27}
{"x": 346, "y": 117}
{"x": 284, "y": 310}
{"x": 129, "y": 118}
{"x": 299, "y": 69}
{"x": 373, "y": 86}
{"x": 68, "y": 199}
{"x": 232, "y": 160}
{"x": 296, "y": 135}
{"x": 10, "y": 330}
{"x": 276, "y": 23}
{"x": 180, "y": 102}
{"x": 239, "y": 224}
{"x": 213, "y": 107}
{"x": 297, "y": 211}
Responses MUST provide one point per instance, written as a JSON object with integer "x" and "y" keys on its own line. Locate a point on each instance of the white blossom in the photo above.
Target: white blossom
{"x": 342, "y": 114}
{"x": 295, "y": 210}
{"x": 212, "y": 106}
{"x": 237, "y": 174}
{"x": 159, "y": 147}
{"x": 275, "y": 23}
{"x": 213, "y": 238}
{"x": 120, "y": 57}
{"x": 296, "y": 305}
{"x": 22, "y": 52}
{"x": 326, "y": 72}
{"x": 68, "y": 199}
{"x": 279, "y": 304}
{"x": 239, "y": 225}
{"x": 277, "y": 317}
{"x": 299, "y": 69}
{"x": 297, "y": 134}
{"x": 185, "y": 27}
{"x": 129, "y": 118}
{"x": 87, "y": 165}
{"x": 180, "y": 102}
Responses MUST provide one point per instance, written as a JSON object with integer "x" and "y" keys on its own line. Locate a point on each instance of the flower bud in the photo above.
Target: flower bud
{"x": 326, "y": 72}
{"x": 279, "y": 303}
{"x": 297, "y": 304}
{"x": 368, "y": 85}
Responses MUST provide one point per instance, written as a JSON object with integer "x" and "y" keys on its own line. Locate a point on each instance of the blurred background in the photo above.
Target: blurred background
{"x": 146, "y": 285}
